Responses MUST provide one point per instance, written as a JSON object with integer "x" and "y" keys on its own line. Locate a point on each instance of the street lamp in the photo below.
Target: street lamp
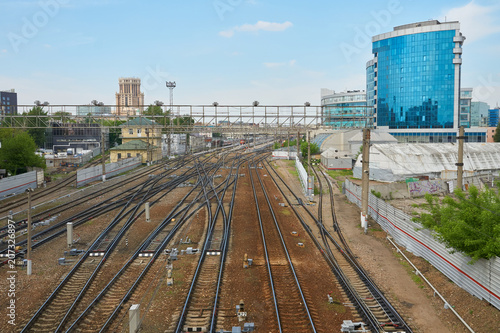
{"x": 170, "y": 85}
{"x": 38, "y": 103}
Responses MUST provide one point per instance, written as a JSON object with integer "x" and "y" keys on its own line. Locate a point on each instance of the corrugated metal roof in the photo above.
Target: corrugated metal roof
{"x": 398, "y": 161}
{"x": 140, "y": 121}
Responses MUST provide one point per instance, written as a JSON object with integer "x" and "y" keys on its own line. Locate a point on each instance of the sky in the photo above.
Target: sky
{"x": 230, "y": 51}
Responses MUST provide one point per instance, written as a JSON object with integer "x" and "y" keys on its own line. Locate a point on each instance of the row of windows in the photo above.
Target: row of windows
{"x": 129, "y": 155}
{"x": 348, "y": 98}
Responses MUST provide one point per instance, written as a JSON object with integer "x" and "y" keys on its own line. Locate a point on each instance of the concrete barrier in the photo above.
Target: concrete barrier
{"x": 17, "y": 184}
{"x": 92, "y": 174}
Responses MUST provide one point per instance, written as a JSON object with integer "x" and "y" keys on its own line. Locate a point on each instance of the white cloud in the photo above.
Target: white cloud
{"x": 4, "y": 51}
{"x": 260, "y": 25}
{"x": 227, "y": 33}
{"x": 476, "y": 21}
{"x": 290, "y": 63}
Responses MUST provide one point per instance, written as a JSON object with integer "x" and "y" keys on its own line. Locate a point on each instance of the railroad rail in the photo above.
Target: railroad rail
{"x": 290, "y": 305}
{"x": 374, "y": 309}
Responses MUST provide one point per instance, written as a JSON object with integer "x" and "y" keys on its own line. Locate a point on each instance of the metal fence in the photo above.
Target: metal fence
{"x": 305, "y": 180}
{"x": 481, "y": 279}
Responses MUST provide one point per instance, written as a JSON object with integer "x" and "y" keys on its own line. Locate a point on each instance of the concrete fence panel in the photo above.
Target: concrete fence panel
{"x": 17, "y": 184}
{"x": 94, "y": 173}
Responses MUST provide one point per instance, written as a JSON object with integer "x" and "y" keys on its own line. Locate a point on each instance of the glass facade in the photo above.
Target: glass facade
{"x": 346, "y": 110}
{"x": 414, "y": 82}
{"x": 493, "y": 117}
{"x": 436, "y": 137}
{"x": 465, "y": 107}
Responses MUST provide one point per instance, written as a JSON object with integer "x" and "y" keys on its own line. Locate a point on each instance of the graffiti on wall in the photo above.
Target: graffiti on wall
{"x": 420, "y": 188}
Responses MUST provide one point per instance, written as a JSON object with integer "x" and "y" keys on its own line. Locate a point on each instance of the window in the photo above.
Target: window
{"x": 119, "y": 155}
{"x": 138, "y": 155}
{"x": 139, "y": 131}
{"x": 130, "y": 131}
{"x": 129, "y": 155}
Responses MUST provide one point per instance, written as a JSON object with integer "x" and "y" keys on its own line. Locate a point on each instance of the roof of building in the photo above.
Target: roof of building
{"x": 332, "y": 152}
{"x": 134, "y": 145}
{"x": 320, "y": 138}
{"x": 140, "y": 121}
{"x": 394, "y": 162}
{"x": 375, "y": 136}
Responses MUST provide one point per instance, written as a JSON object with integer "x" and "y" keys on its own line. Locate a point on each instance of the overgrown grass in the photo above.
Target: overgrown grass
{"x": 339, "y": 173}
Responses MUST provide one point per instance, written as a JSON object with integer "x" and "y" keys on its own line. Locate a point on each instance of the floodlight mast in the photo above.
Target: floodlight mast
{"x": 170, "y": 85}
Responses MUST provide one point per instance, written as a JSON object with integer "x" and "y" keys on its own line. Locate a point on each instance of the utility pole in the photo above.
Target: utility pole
{"x": 460, "y": 164}
{"x": 298, "y": 143}
{"x": 29, "y": 190}
{"x": 365, "y": 178}
{"x": 308, "y": 153}
{"x": 103, "y": 160}
{"x": 288, "y": 145}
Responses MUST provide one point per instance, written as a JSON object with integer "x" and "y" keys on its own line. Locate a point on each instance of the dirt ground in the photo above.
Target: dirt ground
{"x": 409, "y": 294}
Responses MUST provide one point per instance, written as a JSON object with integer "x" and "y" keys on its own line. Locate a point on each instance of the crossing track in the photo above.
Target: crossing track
{"x": 104, "y": 206}
{"x": 199, "y": 310}
{"x": 153, "y": 186}
{"x": 374, "y": 310}
{"x": 77, "y": 313}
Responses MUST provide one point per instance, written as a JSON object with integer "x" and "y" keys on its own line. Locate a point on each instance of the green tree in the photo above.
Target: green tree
{"x": 37, "y": 124}
{"x": 62, "y": 116}
{"x": 18, "y": 153}
{"x": 469, "y": 224}
{"x": 114, "y": 131}
{"x": 156, "y": 113}
{"x": 303, "y": 148}
{"x": 496, "y": 137}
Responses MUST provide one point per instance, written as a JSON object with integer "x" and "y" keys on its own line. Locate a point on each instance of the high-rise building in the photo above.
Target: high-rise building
{"x": 345, "y": 109}
{"x": 413, "y": 82}
{"x": 8, "y": 102}
{"x": 130, "y": 100}
{"x": 479, "y": 114}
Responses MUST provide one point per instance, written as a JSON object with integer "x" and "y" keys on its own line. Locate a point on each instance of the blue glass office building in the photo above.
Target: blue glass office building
{"x": 413, "y": 81}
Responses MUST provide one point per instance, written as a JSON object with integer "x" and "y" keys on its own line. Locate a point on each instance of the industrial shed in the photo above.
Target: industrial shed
{"x": 332, "y": 159}
{"x": 396, "y": 162}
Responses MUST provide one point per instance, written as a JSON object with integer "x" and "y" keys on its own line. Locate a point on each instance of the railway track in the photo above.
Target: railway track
{"x": 100, "y": 307}
{"x": 292, "y": 311}
{"x": 47, "y": 234}
{"x": 199, "y": 310}
{"x": 375, "y": 313}
{"x": 68, "y": 288}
